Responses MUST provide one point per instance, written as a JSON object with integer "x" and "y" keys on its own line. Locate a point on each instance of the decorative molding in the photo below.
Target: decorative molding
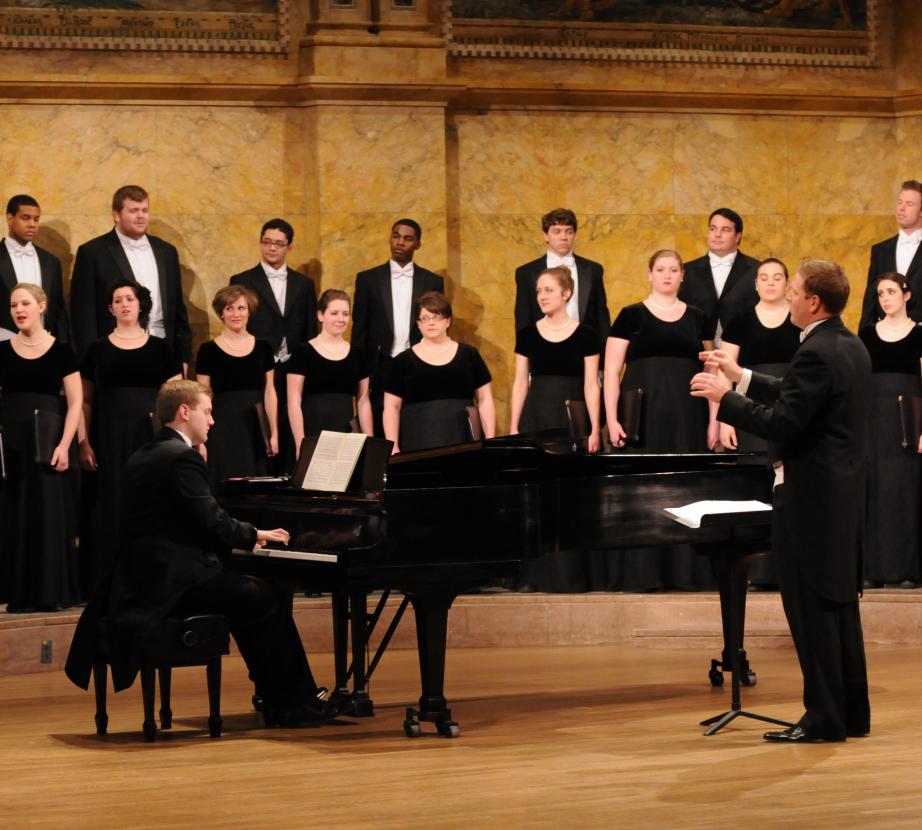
{"x": 90, "y": 27}
{"x": 661, "y": 43}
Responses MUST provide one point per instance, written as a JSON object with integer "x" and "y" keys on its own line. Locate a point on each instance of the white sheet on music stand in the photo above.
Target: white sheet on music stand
{"x": 692, "y": 514}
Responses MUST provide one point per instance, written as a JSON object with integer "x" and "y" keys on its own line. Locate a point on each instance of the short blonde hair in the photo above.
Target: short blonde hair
{"x": 174, "y": 393}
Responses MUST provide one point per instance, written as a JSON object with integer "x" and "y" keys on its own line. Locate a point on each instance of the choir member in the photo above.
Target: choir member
{"x": 39, "y": 571}
{"x": 657, "y": 342}
{"x": 556, "y": 360}
{"x": 239, "y": 369}
{"x": 328, "y": 377}
{"x": 891, "y": 552}
{"x": 121, "y": 375}
{"x": 431, "y": 384}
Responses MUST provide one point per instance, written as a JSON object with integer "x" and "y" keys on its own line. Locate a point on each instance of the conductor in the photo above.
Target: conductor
{"x": 171, "y": 527}
{"x": 815, "y": 420}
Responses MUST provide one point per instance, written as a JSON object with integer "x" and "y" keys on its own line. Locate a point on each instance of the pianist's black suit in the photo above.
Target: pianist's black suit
{"x": 170, "y": 531}
{"x": 52, "y": 285}
{"x": 739, "y": 293}
{"x": 883, "y": 261}
{"x": 816, "y": 420}
{"x": 102, "y": 261}
{"x": 590, "y": 294}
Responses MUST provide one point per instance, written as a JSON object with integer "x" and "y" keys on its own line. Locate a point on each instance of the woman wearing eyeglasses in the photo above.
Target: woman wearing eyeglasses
{"x": 430, "y": 385}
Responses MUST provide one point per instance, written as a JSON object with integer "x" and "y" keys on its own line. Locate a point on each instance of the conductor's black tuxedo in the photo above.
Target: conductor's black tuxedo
{"x": 52, "y": 285}
{"x": 739, "y": 291}
{"x": 297, "y": 322}
{"x": 883, "y": 261}
{"x": 102, "y": 261}
{"x": 171, "y": 532}
{"x": 590, "y": 295}
{"x": 816, "y": 422}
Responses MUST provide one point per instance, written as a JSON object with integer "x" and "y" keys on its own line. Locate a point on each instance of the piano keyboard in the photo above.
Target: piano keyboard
{"x": 287, "y": 553}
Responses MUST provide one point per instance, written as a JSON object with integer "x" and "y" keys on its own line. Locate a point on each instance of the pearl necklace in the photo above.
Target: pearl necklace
{"x": 340, "y": 350}
{"x": 900, "y": 326}
{"x": 247, "y": 343}
{"x": 663, "y": 307}
{"x": 128, "y": 337}
{"x": 32, "y": 343}
{"x": 445, "y": 348}
{"x": 547, "y": 323}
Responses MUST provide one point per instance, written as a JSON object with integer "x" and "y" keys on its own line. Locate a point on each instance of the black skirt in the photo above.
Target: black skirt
{"x": 545, "y": 404}
{"x": 235, "y": 443}
{"x": 331, "y": 411}
{"x": 39, "y": 564}
{"x": 428, "y": 424}
{"x": 891, "y": 552}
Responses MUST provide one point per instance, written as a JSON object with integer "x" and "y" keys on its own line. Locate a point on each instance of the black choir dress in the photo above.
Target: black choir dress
{"x": 38, "y": 563}
{"x": 236, "y": 446}
{"x": 661, "y": 359}
{"x": 769, "y": 351}
{"x": 891, "y": 553}
{"x": 125, "y": 385}
{"x": 330, "y": 386}
{"x": 434, "y": 405}
{"x": 558, "y": 372}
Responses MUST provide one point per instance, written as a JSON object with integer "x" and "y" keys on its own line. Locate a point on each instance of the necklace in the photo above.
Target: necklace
{"x": 547, "y": 323}
{"x": 899, "y": 326}
{"x": 227, "y": 342}
{"x": 777, "y": 312}
{"x": 342, "y": 348}
{"x": 663, "y": 307}
{"x": 32, "y": 343}
{"x": 128, "y": 337}
{"x": 445, "y": 348}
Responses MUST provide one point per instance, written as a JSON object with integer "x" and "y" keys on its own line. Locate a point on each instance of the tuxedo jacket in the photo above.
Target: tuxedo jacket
{"x": 739, "y": 292}
{"x": 373, "y": 309}
{"x": 171, "y": 530}
{"x": 297, "y": 322}
{"x": 815, "y": 420}
{"x": 52, "y": 284}
{"x": 883, "y": 260}
{"x": 590, "y": 296}
{"x": 102, "y": 261}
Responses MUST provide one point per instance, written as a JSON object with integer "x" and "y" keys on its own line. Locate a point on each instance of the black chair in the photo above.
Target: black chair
{"x": 194, "y": 641}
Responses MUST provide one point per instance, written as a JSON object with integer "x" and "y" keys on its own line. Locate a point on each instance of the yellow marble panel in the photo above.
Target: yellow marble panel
{"x": 732, "y": 161}
{"x": 908, "y": 155}
{"x": 615, "y": 163}
{"x": 381, "y": 158}
{"x": 300, "y": 186}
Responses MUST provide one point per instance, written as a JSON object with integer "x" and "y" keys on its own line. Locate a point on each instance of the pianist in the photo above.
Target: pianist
{"x": 170, "y": 529}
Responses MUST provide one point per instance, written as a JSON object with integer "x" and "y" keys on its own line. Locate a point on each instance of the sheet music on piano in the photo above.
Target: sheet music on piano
{"x": 692, "y": 514}
{"x": 333, "y": 461}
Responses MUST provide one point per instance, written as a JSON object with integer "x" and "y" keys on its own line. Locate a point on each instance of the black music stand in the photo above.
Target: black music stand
{"x": 739, "y": 567}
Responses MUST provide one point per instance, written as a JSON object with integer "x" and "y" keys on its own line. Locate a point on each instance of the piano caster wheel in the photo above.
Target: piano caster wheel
{"x": 257, "y": 703}
{"x": 449, "y": 729}
{"x": 412, "y": 729}
{"x": 748, "y": 678}
{"x": 716, "y": 677}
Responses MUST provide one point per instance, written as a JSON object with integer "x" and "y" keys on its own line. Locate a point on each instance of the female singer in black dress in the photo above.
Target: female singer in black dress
{"x": 39, "y": 569}
{"x": 430, "y": 385}
{"x": 327, "y": 375}
{"x": 561, "y": 358}
{"x": 657, "y": 342}
{"x": 240, "y": 371}
{"x": 891, "y": 553}
{"x": 121, "y": 373}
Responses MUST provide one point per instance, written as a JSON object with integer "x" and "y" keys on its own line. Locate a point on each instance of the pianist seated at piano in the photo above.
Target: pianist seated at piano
{"x": 171, "y": 532}
{"x": 430, "y": 386}
{"x": 655, "y": 344}
{"x": 328, "y": 376}
{"x": 556, "y": 360}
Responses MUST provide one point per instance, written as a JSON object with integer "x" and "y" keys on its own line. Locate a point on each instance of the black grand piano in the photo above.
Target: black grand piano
{"x": 449, "y": 520}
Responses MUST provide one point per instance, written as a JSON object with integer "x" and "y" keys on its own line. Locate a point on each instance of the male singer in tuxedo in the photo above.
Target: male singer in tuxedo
{"x": 722, "y": 282}
{"x": 588, "y": 303}
{"x": 171, "y": 532}
{"x": 383, "y": 310}
{"x": 901, "y": 253}
{"x": 816, "y": 421}
{"x": 129, "y": 251}
{"x": 23, "y": 261}
{"x": 286, "y": 317}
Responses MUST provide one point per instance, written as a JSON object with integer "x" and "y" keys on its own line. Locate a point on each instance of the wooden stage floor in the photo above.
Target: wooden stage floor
{"x": 551, "y": 737}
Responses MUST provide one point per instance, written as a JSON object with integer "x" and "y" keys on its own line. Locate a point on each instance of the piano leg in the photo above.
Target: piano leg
{"x": 341, "y": 644}
{"x": 362, "y": 704}
{"x": 431, "y": 609}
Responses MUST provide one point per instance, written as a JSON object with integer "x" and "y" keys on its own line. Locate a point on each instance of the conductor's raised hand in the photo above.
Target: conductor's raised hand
{"x": 716, "y": 359}
{"x": 277, "y": 535}
{"x": 712, "y": 387}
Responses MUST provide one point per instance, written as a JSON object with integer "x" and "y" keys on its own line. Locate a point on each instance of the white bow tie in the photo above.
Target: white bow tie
{"x": 397, "y": 273}
{"x": 911, "y": 239}
{"x": 716, "y": 260}
{"x": 274, "y": 274}
{"x": 553, "y": 260}
{"x": 23, "y": 252}
{"x": 137, "y": 244}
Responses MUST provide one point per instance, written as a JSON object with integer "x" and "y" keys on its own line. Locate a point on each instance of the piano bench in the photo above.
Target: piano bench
{"x": 194, "y": 641}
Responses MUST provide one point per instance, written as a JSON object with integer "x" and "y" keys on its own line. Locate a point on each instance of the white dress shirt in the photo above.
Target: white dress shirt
{"x": 906, "y": 246}
{"x": 720, "y": 268}
{"x": 402, "y": 296}
{"x": 570, "y": 262}
{"x": 144, "y": 267}
{"x": 278, "y": 282}
{"x": 25, "y": 266}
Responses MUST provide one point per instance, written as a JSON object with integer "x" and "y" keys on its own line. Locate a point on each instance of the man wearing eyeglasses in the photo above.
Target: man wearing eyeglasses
{"x": 287, "y": 314}
{"x": 383, "y": 310}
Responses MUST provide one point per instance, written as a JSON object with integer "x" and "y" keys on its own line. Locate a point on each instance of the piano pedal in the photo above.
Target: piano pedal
{"x": 445, "y": 726}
